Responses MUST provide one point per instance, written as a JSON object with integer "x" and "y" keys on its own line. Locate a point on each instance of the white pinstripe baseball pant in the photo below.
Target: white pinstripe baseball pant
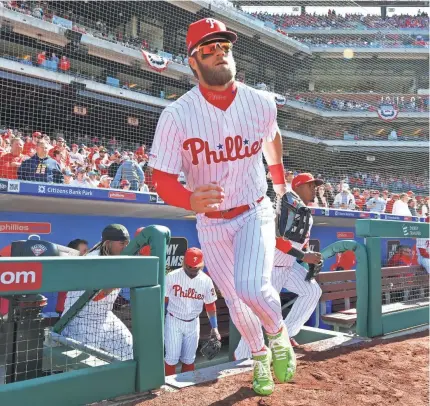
{"x": 292, "y": 278}
{"x": 181, "y": 340}
{"x": 239, "y": 256}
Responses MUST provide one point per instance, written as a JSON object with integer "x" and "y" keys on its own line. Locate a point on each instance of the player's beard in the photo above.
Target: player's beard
{"x": 217, "y": 78}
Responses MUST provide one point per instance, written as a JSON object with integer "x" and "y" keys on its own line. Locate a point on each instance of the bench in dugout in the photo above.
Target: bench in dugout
{"x": 403, "y": 287}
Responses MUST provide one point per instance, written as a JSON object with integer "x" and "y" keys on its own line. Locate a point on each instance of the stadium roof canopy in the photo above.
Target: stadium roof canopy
{"x": 364, "y": 3}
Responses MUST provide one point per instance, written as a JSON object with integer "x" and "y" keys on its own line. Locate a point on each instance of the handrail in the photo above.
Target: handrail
{"x": 362, "y": 277}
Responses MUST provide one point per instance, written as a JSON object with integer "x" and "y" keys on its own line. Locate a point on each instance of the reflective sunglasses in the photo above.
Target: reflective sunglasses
{"x": 210, "y": 49}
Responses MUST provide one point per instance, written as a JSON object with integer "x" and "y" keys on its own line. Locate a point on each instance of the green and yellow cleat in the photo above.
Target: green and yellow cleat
{"x": 263, "y": 382}
{"x": 284, "y": 358}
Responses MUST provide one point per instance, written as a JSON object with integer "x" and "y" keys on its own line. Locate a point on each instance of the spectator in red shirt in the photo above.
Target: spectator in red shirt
{"x": 64, "y": 64}
{"x": 30, "y": 144}
{"x": 141, "y": 153}
{"x": 9, "y": 163}
{"x": 390, "y": 203}
{"x": 148, "y": 179}
{"x": 93, "y": 151}
{"x": 41, "y": 57}
{"x": 102, "y": 162}
{"x": 360, "y": 201}
{"x": 61, "y": 147}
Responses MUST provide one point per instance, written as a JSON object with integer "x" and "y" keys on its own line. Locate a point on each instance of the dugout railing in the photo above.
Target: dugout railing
{"x": 379, "y": 321}
{"x": 145, "y": 278}
{"x": 378, "y": 297}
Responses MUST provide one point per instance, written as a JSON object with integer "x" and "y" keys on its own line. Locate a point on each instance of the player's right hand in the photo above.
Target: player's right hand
{"x": 206, "y": 198}
{"x": 312, "y": 257}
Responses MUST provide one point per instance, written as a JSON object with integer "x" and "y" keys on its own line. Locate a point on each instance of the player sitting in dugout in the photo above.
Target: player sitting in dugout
{"x": 95, "y": 324}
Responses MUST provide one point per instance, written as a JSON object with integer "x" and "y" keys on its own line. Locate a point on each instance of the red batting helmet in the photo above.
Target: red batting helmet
{"x": 207, "y": 28}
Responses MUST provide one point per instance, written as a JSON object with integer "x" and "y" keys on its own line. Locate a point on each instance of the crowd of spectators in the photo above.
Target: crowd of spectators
{"x": 353, "y": 103}
{"x": 370, "y": 41}
{"x": 84, "y": 25}
{"x": 100, "y": 29}
{"x": 341, "y": 195}
{"x": 37, "y": 158}
{"x": 336, "y": 21}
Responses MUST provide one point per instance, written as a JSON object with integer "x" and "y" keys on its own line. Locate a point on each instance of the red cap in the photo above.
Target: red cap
{"x": 410, "y": 193}
{"x": 37, "y": 134}
{"x": 204, "y": 28}
{"x": 304, "y": 178}
{"x": 74, "y": 145}
{"x": 193, "y": 257}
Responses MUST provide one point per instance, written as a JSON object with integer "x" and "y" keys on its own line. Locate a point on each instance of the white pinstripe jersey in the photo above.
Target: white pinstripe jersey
{"x": 93, "y": 310}
{"x": 282, "y": 259}
{"x": 186, "y": 295}
{"x": 212, "y": 145}
{"x": 423, "y": 243}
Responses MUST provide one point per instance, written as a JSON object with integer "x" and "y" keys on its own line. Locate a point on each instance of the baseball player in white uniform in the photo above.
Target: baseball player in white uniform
{"x": 95, "y": 324}
{"x": 423, "y": 251}
{"x": 216, "y": 134}
{"x": 289, "y": 274}
{"x": 187, "y": 288}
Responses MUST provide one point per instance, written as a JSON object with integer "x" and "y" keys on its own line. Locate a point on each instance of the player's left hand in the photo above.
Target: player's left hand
{"x": 280, "y": 190}
{"x": 216, "y": 334}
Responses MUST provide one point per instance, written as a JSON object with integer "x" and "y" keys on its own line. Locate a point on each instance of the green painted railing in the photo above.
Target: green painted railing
{"x": 372, "y": 231}
{"x": 361, "y": 276}
{"x": 145, "y": 277}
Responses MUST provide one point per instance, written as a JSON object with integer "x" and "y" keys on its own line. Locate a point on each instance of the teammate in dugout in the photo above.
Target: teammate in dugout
{"x": 216, "y": 134}
{"x": 289, "y": 274}
{"x": 187, "y": 288}
{"x": 95, "y": 324}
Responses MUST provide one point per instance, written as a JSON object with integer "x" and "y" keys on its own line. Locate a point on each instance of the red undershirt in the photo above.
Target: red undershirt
{"x": 221, "y": 99}
{"x": 166, "y": 184}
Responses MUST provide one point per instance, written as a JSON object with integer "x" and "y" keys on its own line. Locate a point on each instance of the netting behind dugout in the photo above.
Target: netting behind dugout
{"x": 99, "y": 334}
{"x": 93, "y": 77}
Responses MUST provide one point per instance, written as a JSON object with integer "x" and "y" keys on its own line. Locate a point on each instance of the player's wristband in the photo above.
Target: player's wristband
{"x": 296, "y": 253}
{"x": 278, "y": 174}
{"x": 214, "y": 322}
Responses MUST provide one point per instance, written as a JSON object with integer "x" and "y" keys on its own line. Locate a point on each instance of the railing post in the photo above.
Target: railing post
{"x": 361, "y": 276}
{"x": 148, "y": 340}
{"x": 233, "y": 339}
{"x": 374, "y": 318}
